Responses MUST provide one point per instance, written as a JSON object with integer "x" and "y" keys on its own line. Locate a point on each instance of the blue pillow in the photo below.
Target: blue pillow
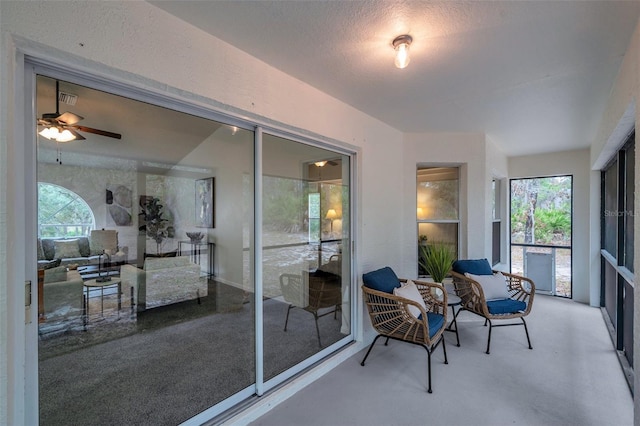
{"x": 382, "y": 280}
{"x": 473, "y": 266}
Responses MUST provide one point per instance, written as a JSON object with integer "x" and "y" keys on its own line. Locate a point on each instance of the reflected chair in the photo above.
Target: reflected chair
{"x": 472, "y": 280}
{"x": 420, "y": 322}
{"x": 317, "y": 293}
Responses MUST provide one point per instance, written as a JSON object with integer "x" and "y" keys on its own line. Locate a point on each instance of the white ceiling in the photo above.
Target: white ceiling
{"x": 533, "y": 75}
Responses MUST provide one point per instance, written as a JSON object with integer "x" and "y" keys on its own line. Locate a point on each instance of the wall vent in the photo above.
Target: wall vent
{"x": 67, "y": 98}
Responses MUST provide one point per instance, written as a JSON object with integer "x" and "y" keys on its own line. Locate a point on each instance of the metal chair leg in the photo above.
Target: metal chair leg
{"x": 286, "y": 321}
{"x": 444, "y": 349}
{"x": 371, "y": 347}
{"x": 317, "y": 329}
{"x": 489, "y": 339}
{"x": 429, "y": 370}
{"x": 527, "y": 332}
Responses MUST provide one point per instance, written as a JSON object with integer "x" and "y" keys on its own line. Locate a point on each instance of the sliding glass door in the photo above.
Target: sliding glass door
{"x": 305, "y": 278}
{"x": 149, "y": 308}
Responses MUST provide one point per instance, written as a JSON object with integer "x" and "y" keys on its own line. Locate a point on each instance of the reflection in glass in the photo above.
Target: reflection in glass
{"x": 306, "y": 275}
{"x": 437, "y": 193}
{"x": 153, "y": 306}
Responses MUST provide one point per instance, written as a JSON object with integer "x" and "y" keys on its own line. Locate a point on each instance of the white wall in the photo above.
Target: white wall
{"x": 471, "y": 152}
{"x": 575, "y": 163}
{"x": 138, "y": 44}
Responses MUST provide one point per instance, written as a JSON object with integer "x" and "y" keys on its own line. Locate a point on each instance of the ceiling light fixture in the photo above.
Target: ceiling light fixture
{"x": 54, "y": 134}
{"x": 320, "y": 163}
{"x": 401, "y": 45}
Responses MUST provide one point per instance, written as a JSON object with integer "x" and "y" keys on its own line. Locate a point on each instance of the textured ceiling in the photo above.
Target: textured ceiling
{"x": 533, "y": 75}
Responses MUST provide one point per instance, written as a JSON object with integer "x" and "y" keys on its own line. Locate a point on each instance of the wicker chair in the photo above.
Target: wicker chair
{"x": 521, "y": 291}
{"x": 322, "y": 296}
{"x": 391, "y": 318}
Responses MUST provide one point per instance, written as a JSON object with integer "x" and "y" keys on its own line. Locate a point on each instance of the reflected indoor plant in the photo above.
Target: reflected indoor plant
{"x": 155, "y": 225}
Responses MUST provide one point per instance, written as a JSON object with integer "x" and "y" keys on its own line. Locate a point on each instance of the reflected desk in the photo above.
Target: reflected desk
{"x": 195, "y": 250}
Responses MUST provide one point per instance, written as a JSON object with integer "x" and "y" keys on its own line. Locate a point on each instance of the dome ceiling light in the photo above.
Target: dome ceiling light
{"x": 401, "y": 45}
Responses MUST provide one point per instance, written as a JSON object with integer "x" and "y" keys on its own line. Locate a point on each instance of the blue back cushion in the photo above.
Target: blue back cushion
{"x": 473, "y": 266}
{"x": 382, "y": 280}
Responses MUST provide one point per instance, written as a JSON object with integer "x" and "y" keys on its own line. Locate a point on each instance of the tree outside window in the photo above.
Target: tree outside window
{"x": 62, "y": 213}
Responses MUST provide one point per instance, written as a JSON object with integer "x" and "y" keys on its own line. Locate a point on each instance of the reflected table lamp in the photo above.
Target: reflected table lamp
{"x": 331, "y": 215}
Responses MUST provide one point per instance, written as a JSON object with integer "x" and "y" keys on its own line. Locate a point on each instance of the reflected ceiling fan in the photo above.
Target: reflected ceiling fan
{"x": 64, "y": 128}
{"x": 325, "y": 162}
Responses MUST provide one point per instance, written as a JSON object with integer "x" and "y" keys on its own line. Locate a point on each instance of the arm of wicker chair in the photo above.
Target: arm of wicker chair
{"x": 471, "y": 293}
{"x": 390, "y": 316}
{"x": 521, "y": 288}
{"x": 434, "y": 296}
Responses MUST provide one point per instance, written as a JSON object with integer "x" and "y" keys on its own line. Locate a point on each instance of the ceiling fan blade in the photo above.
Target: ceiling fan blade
{"x": 98, "y": 132}
{"x": 78, "y": 136}
{"x": 69, "y": 118}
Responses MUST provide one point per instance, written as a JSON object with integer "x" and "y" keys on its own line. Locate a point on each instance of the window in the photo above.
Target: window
{"x": 617, "y": 233}
{"x": 62, "y": 213}
{"x": 438, "y": 206}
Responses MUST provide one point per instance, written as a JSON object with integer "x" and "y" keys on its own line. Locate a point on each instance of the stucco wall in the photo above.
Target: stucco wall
{"x": 575, "y": 163}
{"x": 138, "y": 44}
{"x": 469, "y": 151}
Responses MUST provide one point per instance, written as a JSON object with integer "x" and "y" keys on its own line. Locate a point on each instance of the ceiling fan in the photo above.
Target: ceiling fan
{"x": 64, "y": 128}
{"x": 325, "y": 162}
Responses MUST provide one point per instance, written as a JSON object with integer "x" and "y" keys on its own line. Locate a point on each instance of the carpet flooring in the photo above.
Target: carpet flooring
{"x": 168, "y": 364}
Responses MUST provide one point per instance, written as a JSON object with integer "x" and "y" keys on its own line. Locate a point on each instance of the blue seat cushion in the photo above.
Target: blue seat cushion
{"x": 472, "y": 266}
{"x": 435, "y": 321}
{"x": 505, "y": 306}
{"x": 383, "y": 279}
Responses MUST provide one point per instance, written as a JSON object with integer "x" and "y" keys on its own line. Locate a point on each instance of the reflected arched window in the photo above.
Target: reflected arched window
{"x": 62, "y": 213}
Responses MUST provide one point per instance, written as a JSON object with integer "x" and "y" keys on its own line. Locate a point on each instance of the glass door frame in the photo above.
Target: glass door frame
{"x": 33, "y": 66}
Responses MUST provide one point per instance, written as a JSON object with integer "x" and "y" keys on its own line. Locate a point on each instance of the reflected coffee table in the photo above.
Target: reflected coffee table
{"x": 95, "y": 283}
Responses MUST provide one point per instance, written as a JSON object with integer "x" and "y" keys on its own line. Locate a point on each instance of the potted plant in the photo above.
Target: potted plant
{"x": 437, "y": 259}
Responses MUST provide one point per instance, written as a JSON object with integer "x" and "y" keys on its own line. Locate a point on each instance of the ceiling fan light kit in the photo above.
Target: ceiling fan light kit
{"x": 63, "y": 127}
{"x": 54, "y": 134}
{"x": 401, "y": 46}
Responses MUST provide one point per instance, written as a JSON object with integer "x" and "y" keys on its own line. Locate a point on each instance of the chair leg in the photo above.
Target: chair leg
{"x": 489, "y": 339}
{"x": 454, "y": 322}
{"x": 371, "y": 347}
{"x": 527, "y": 332}
{"x": 444, "y": 350}
{"x": 429, "y": 369}
{"x": 286, "y": 321}
{"x": 315, "y": 315}
{"x": 386, "y": 342}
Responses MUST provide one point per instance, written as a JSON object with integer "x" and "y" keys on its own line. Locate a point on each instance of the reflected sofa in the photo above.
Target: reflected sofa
{"x": 163, "y": 281}
{"x": 81, "y": 250}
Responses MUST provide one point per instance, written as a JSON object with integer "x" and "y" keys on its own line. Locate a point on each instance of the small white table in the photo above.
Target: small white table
{"x": 94, "y": 283}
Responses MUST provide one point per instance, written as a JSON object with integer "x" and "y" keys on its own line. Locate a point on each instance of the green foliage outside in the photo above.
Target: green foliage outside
{"x": 550, "y": 200}
{"x": 284, "y": 204}
{"x": 62, "y": 213}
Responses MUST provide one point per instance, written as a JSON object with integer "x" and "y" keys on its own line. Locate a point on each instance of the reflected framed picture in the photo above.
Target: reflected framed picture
{"x": 205, "y": 209}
